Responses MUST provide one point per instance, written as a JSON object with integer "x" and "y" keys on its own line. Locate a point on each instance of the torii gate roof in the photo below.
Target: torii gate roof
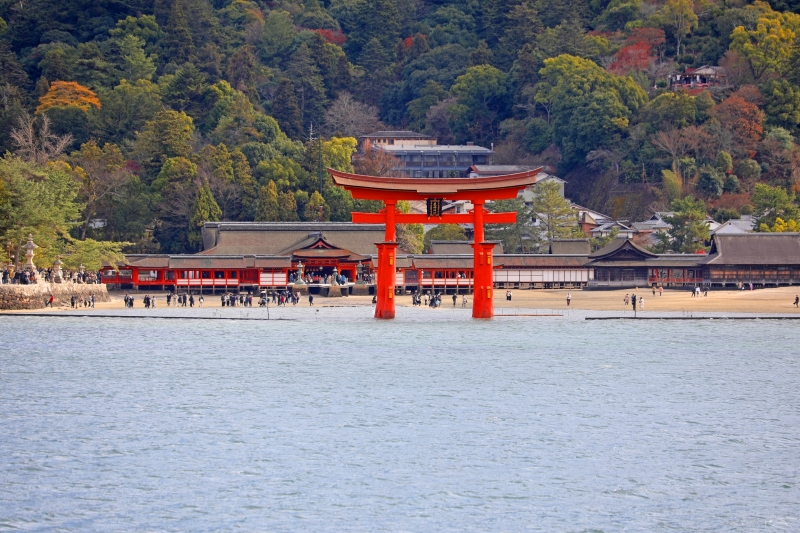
{"x": 481, "y": 188}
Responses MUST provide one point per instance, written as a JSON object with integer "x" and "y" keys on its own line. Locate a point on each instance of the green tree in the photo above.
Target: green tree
{"x": 782, "y": 103}
{"x": 316, "y": 209}
{"x": 671, "y": 185}
{"x": 287, "y": 207}
{"x": 268, "y": 203}
{"x": 178, "y": 40}
{"x": 92, "y": 254}
{"x": 204, "y": 209}
{"x": 444, "y": 232}
{"x": 771, "y": 203}
{"x": 309, "y": 85}
{"x": 286, "y": 111}
{"x": 689, "y": 228}
{"x": 175, "y": 171}
{"x": 710, "y": 181}
{"x": 125, "y": 110}
{"x": 679, "y": 16}
{"x": 590, "y": 107}
{"x": 557, "y": 218}
{"x": 522, "y": 237}
{"x": 482, "y": 103}
{"x": 340, "y": 202}
{"x": 168, "y": 134}
{"x": 134, "y": 63}
{"x": 432, "y": 93}
{"x": 40, "y": 200}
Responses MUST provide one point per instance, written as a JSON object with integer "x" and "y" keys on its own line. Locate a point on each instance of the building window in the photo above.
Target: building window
{"x": 148, "y": 275}
{"x": 232, "y": 274}
{"x": 125, "y": 273}
{"x": 206, "y": 274}
{"x": 219, "y": 274}
{"x": 169, "y": 275}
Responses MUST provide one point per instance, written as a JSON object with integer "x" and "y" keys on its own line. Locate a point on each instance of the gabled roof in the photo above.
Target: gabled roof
{"x": 622, "y": 248}
{"x": 282, "y": 238}
{"x": 608, "y": 226}
{"x": 746, "y": 224}
{"x": 754, "y": 249}
{"x": 570, "y": 247}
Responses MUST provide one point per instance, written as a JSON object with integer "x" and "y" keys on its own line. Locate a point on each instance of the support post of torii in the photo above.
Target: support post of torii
{"x": 476, "y": 190}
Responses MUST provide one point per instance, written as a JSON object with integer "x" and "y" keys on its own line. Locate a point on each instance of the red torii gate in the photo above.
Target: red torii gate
{"x": 476, "y": 190}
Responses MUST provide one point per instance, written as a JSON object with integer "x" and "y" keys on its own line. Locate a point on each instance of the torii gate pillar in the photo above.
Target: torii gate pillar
{"x": 387, "y": 259}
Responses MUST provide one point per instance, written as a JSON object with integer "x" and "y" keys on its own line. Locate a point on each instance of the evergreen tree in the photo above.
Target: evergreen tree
{"x": 286, "y": 111}
{"x": 268, "y": 209}
{"x": 178, "y": 40}
{"x": 309, "y": 86}
{"x": 204, "y": 209}
{"x": 287, "y": 207}
{"x": 556, "y": 217}
{"x": 243, "y": 178}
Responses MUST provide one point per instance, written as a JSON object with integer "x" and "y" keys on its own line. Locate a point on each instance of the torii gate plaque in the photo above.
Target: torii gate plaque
{"x": 476, "y": 190}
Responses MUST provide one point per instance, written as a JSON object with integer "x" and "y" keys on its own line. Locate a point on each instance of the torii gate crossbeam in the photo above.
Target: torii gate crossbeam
{"x": 476, "y": 190}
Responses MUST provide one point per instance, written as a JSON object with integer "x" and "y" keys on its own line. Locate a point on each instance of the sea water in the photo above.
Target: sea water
{"x": 333, "y": 421}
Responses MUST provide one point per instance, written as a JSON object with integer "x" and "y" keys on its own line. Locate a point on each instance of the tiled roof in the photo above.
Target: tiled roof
{"x": 754, "y": 249}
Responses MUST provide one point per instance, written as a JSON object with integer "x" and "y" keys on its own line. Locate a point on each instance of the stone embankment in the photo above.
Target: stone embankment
{"x": 34, "y": 296}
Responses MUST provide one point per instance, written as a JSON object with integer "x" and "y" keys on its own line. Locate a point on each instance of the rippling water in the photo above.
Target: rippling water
{"x": 433, "y": 422}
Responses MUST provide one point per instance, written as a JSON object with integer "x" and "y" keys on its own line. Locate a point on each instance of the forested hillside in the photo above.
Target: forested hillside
{"x": 168, "y": 113}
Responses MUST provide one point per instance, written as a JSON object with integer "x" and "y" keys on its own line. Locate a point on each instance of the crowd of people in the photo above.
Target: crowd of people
{"x": 9, "y": 276}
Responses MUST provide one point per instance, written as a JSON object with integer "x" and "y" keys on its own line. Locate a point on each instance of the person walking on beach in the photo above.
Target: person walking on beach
{"x": 569, "y": 298}
{"x": 796, "y": 300}
{"x": 654, "y": 290}
{"x": 191, "y": 300}
{"x": 464, "y": 301}
{"x": 660, "y": 291}
{"x": 454, "y": 300}
{"x": 641, "y": 303}
{"x": 310, "y": 299}
{"x": 627, "y": 299}
{"x": 633, "y": 301}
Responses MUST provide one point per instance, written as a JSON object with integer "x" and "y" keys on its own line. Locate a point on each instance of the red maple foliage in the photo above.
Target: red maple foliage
{"x": 633, "y": 57}
{"x": 408, "y": 41}
{"x": 653, "y": 37}
{"x": 743, "y": 119}
{"x": 332, "y": 36}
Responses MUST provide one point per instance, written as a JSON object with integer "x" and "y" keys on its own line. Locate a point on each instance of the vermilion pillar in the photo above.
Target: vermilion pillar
{"x": 482, "y": 303}
{"x": 387, "y": 259}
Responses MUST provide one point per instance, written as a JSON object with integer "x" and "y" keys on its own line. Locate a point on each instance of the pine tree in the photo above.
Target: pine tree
{"x": 204, "y": 209}
{"x": 308, "y": 82}
{"x": 243, "y": 178}
{"x": 286, "y": 111}
{"x": 287, "y": 207}
{"x": 268, "y": 203}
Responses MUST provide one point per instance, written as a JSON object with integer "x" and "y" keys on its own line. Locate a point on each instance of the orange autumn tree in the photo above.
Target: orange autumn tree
{"x": 68, "y": 93}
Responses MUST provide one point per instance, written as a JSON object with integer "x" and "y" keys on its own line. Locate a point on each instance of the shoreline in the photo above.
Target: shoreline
{"x": 605, "y": 305}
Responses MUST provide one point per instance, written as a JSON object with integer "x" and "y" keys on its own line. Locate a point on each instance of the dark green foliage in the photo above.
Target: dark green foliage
{"x": 214, "y": 99}
{"x": 286, "y": 111}
{"x": 711, "y": 182}
{"x": 538, "y": 135}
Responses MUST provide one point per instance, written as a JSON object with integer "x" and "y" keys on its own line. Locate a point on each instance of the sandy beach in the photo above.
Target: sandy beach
{"x": 763, "y": 301}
